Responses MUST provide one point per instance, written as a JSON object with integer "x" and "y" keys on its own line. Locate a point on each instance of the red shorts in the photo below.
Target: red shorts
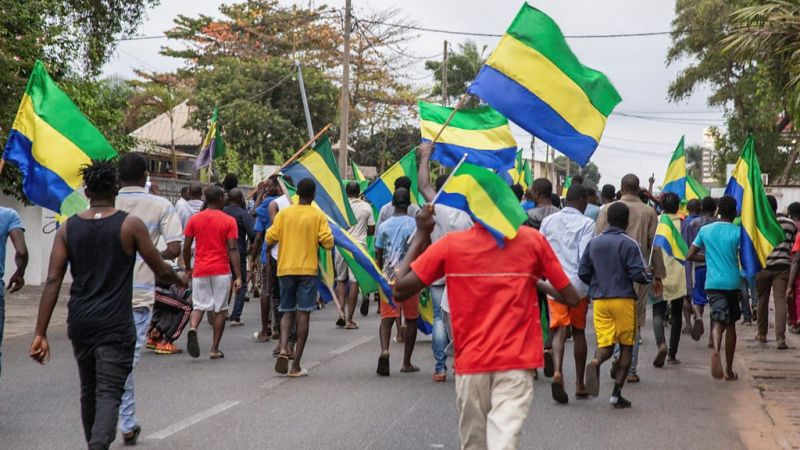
{"x": 562, "y": 315}
{"x": 409, "y": 309}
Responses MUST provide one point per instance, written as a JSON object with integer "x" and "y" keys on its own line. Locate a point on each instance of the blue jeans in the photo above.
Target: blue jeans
{"x": 238, "y": 302}
{"x": 440, "y": 338}
{"x": 127, "y": 409}
{"x": 2, "y": 321}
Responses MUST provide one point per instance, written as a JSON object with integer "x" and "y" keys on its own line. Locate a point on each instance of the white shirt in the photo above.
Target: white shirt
{"x": 569, "y": 232}
{"x": 282, "y": 202}
{"x": 364, "y": 219}
{"x": 448, "y": 219}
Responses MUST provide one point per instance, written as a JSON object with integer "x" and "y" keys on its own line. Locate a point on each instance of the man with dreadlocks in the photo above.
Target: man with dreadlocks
{"x": 100, "y": 246}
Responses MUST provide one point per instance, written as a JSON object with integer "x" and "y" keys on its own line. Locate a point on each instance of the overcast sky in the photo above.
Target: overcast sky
{"x": 636, "y": 65}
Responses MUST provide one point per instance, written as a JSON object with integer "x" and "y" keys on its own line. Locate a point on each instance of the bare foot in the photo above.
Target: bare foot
{"x": 716, "y": 365}
{"x": 731, "y": 376}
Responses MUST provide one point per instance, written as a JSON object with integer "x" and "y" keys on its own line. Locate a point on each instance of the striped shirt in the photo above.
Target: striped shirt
{"x": 163, "y": 225}
{"x": 780, "y": 258}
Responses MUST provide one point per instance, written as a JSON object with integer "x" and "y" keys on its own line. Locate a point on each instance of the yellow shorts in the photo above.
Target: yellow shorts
{"x": 615, "y": 321}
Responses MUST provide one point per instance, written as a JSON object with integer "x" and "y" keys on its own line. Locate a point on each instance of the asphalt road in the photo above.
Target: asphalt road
{"x": 239, "y": 402}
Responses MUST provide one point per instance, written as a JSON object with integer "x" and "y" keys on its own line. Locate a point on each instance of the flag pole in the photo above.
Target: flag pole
{"x": 304, "y": 147}
{"x": 460, "y": 162}
{"x": 2, "y": 163}
{"x": 452, "y": 114}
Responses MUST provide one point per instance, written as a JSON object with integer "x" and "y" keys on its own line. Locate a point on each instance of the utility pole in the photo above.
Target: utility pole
{"x": 344, "y": 128}
{"x": 445, "y": 97}
{"x": 305, "y": 100}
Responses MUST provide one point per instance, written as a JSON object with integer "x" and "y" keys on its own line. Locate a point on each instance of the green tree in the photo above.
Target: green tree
{"x": 590, "y": 172}
{"x": 462, "y": 67}
{"x": 386, "y": 146}
{"x": 694, "y": 161}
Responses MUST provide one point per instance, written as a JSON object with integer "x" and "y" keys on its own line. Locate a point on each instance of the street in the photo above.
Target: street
{"x": 239, "y": 402}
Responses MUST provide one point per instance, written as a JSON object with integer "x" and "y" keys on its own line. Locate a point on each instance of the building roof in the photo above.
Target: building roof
{"x": 157, "y": 131}
{"x": 150, "y": 148}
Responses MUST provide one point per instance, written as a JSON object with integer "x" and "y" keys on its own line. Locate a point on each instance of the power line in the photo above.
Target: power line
{"x": 687, "y": 121}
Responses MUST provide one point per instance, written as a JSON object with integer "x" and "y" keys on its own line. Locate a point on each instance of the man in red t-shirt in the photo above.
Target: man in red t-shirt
{"x": 215, "y": 253}
{"x": 496, "y": 330}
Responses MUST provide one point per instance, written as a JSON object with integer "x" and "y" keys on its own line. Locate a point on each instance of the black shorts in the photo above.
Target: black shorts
{"x": 725, "y": 306}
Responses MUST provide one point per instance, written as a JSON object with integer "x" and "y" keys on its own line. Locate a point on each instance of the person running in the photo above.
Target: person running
{"x": 271, "y": 192}
{"x": 673, "y": 294}
{"x": 694, "y": 209}
{"x": 215, "y": 255}
{"x": 391, "y": 246}
{"x": 708, "y": 208}
{"x": 775, "y": 277}
{"x": 642, "y": 223}
{"x": 496, "y": 334}
{"x": 569, "y": 232}
{"x": 301, "y": 229}
{"x": 162, "y": 223}
{"x": 11, "y": 227}
{"x": 610, "y": 265}
{"x": 347, "y": 285}
{"x": 720, "y": 240}
{"x": 448, "y": 220}
{"x": 245, "y": 229}
{"x": 100, "y": 246}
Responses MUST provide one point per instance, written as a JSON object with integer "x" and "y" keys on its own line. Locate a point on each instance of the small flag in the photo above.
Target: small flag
{"x": 486, "y": 198}
{"x": 380, "y": 192}
{"x": 760, "y": 229}
{"x": 521, "y": 172}
{"x": 669, "y": 238}
{"x": 675, "y": 180}
{"x": 535, "y": 80}
{"x": 50, "y": 141}
{"x": 567, "y": 184}
{"x": 695, "y": 190}
{"x": 319, "y": 165}
{"x": 213, "y": 146}
{"x": 481, "y": 133}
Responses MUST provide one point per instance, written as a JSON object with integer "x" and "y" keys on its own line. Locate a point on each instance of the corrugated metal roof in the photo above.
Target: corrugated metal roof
{"x": 157, "y": 131}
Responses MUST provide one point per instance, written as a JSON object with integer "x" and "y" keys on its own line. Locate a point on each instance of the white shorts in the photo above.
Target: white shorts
{"x": 211, "y": 293}
{"x": 343, "y": 272}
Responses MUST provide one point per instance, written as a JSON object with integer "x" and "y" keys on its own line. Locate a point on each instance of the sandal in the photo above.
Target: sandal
{"x": 282, "y": 365}
{"x": 301, "y": 374}
{"x": 259, "y": 337}
{"x": 633, "y": 378}
{"x": 351, "y": 326}
{"x": 217, "y": 355}
{"x": 383, "y": 366}
{"x": 410, "y": 369}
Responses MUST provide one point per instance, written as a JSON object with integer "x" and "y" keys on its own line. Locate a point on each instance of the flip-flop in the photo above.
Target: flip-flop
{"x": 559, "y": 394}
{"x": 282, "y": 365}
{"x": 592, "y": 379}
{"x": 661, "y": 356}
{"x": 340, "y": 322}
{"x": 218, "y": 355}
{"x": 192, "y": 346}
{"x": 716, "y": 366}
{"x": 132, "y": 436}
{"x": 549, "y": 367}
{"x": 581, "y": 394}
{"x": 383, "y": 366}
{"x": 301, "y": 374}
{"x": 411, "y": 369}
{"x": 351, "y": 326}
{"x": 257, "y": 336}
{"x": 697, "y": 329}
{"x": 732, "y": 378}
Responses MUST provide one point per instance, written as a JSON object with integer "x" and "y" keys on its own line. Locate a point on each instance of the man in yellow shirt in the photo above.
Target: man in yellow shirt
{"x": 300, "y": 229}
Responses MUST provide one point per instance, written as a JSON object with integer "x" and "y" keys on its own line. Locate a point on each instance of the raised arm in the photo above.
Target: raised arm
{"x": 40, "y": 348}
{"x": 425, "y": 150}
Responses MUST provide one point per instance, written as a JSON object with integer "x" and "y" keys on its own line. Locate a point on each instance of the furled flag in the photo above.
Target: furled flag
{"x": 481, "y": 133}
{"x": 669, "y": 238}
{"x": 50, "y": 141}
{"x": 319, "y": 165}
{"x": 213, "y": 146}
{"x": 327, "y": 279}
{"x": 760, "y": 229}
{"x": 486, "y": 198}
{"x": 359, "y": 177}
{"x": 425, "y": 309}
{"x": 566, "y": 186}
{"x": 695, "y": 190}
{"x": 380, "y": 192}
{"x": 521, "y": 172}
{"x": 675, "y": 179}
{"x": 534, "y": 79}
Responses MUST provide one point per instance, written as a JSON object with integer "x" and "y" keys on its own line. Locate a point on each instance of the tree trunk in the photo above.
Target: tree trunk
{"x": 787, "y": 169}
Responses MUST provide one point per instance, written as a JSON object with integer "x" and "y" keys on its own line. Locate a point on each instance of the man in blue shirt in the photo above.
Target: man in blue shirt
{"x": 11, "y": 226}
{"x": 720, "y": 240}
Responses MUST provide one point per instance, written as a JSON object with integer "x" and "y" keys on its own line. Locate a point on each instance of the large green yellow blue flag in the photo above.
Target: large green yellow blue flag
{"x": 669, "y": 238}
{"x": 535, "y": 80}
{"x": 675, "y": 179}
{"x": 319, "y": 165}
{"x": 380, "y": 192}
{"x": 359, "y": 177}
{"x": 760, "y": 229}
{"x": 695, "y": 190}
{"x": 486, "y": 197}
{"x": 481, "y": 133}
{"x": 49, "y": 142}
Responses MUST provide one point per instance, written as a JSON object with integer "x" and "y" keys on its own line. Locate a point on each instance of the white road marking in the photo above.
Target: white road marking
{"x": 186, "y": 423}
{"x": 360, "y": 341}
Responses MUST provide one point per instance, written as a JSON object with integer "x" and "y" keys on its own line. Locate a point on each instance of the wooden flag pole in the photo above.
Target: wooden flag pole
{"x": 304, "y": 147}
{"x": 2, "y": 164}
{"x": 452, "y": 114}
{"x": 460, "y": 162}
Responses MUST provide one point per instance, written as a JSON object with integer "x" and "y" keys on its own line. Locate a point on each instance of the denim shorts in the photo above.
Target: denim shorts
{"x": 298, "y": 293}
{"x": 725, "y": 306}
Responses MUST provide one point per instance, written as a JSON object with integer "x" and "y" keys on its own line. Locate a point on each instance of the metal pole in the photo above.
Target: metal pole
{"x": 305, "y": 100}
{"x": 344, "y": 127}
{"x": 445, "y": 97}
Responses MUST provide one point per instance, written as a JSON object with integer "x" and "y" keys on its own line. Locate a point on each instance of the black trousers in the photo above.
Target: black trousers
{"x": 103, "y": 370}
{"x": 676, "y": 322}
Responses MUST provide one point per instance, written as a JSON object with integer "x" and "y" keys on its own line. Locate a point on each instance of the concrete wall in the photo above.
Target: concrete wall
{"x": 784, "y": 194}
{"x": 39, "y": 233}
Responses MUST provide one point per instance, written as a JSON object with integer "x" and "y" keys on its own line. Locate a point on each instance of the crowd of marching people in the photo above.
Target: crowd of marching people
{"x": 503, "y": 311}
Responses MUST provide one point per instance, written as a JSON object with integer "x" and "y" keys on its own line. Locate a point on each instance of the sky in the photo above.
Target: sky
{"x": 635, "y": 65}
